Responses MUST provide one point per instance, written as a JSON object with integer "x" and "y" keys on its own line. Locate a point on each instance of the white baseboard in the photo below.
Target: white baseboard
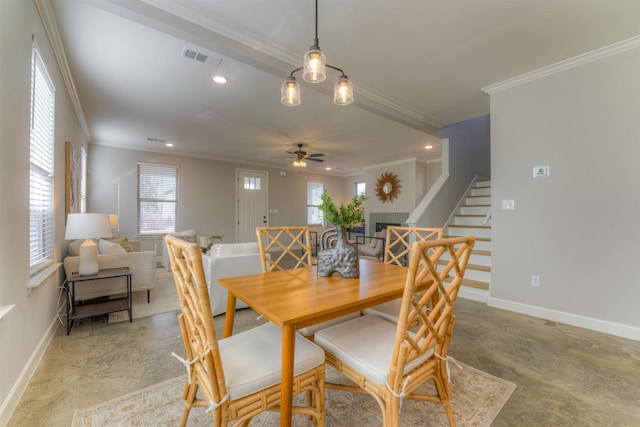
{"x": 473, "y": 294}
{"x": 15, "y": 394}
{"x": 612, "y": 328}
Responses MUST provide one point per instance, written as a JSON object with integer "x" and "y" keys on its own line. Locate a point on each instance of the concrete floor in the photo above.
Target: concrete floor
{"x": 565, "y": 376}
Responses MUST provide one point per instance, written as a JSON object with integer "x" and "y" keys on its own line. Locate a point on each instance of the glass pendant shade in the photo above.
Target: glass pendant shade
{"x": 343, "y": 91}
{"x": 314, "y": 68}
{"x": 290, "y": 92}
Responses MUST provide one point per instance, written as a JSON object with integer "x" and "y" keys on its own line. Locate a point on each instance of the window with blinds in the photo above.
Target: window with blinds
{"x": 314, "y": 193}
{"x": 41, "y": 165}
{"x": 157, "y": 198}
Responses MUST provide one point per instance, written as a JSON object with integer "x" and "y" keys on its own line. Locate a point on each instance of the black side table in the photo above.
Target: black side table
{"x": 90, "y": 309}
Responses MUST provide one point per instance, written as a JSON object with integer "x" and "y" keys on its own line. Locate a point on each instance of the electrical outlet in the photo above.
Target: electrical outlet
{"x": 535, "y": 281}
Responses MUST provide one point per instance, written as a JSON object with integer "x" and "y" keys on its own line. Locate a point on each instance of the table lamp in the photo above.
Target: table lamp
{"x": 87, "y": 226}
{"x": 113, "y": 220}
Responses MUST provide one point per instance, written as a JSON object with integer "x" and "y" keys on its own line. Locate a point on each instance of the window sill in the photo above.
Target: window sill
{"x": 4, "y": 309}
{"x": 42, "y": 275}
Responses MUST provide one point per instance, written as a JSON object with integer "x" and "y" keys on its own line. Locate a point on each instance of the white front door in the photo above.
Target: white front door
{"x": 253, "y": 209}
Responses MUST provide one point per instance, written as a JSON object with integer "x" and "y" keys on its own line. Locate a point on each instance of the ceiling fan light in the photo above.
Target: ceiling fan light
{"x": 343, "y": 91}
{"x": 299, "y": 163}
{"x": 290, "y": 92}
{"x": 314, "y": 68}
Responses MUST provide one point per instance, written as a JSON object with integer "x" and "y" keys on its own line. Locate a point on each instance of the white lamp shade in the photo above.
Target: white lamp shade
{"x": 87, "y": 226}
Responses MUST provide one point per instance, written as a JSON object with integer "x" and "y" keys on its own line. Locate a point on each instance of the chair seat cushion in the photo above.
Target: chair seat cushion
{"x": 252, "y": 362}
{"x": 366, "y": 344}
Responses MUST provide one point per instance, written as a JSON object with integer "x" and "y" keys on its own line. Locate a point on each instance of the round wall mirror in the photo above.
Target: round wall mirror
{"x": 387, "y": 187}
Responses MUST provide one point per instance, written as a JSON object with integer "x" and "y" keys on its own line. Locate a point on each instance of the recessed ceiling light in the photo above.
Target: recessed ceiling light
{"x": 220, "y": 79}
{"x": 327, "y": 168}
{"x": 168, "y": 144}
{"x": 428, "y": 147}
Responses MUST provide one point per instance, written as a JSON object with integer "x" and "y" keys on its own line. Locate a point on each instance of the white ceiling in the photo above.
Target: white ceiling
{"x": 416, "y": 65}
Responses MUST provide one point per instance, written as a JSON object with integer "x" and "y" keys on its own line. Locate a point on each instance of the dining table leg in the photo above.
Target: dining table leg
{"x": 288, "y": 353}
{"x": 229, "y": 315}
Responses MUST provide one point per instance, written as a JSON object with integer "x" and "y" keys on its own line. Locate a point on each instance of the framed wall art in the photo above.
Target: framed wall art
{"x": 72, "y": 179}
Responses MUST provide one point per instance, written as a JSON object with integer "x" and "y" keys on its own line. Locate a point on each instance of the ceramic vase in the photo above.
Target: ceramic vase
{"x": 340, "y": 257}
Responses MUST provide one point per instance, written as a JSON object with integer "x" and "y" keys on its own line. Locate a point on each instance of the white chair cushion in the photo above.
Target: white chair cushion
{"x": 252, "y": 361}
{"x": 366, "y": 344}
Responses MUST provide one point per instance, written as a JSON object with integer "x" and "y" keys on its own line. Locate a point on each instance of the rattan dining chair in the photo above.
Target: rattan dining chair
{"x": 238, "y": 377}
{"x": 284, "y": 248}
{"x": 396, "y": 251}
{"x": 293, "y": 241}
{"x": 390, "y": 361}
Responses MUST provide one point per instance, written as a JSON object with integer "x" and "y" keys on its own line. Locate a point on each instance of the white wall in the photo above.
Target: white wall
{"x": 26, "y": 330}
{"x": 577, "y": 229}
{"x": 207, "y": 195}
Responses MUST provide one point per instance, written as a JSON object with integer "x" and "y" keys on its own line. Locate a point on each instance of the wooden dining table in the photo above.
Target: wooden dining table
{"x": 294, "y": 299}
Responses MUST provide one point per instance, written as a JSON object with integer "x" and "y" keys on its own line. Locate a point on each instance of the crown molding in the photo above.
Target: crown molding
{"x": 50, "y": 24}
{"x": 568, "y": 64}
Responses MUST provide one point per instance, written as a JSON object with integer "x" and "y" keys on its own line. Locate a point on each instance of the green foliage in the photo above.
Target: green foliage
{"x": 215, "y": 238}
{"x": 344, "y": 216}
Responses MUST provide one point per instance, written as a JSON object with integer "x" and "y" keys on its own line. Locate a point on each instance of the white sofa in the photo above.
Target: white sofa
{"x": 141, "y": 264}
{"x": 228, "y": 260}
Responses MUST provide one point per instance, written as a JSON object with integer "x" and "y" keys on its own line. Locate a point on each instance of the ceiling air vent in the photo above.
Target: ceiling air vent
{"x": 200, "y": 57}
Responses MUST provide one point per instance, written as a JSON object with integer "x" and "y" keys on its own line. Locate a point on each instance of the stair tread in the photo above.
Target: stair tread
{"x": 470, "y": 215}
{"x": 483, "y": 253}
{"x": 478, "y": 239}
{"x": 474, "y": 206}
{"x": 469, "y": 226}
{"x": 476, "y": 267}
{"x": 478, "y": 284}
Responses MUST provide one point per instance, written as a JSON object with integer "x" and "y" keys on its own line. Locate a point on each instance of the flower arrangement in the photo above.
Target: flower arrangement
{"x": 344, "y": 216}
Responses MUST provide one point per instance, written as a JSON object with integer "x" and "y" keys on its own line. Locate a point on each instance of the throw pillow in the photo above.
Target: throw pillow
{"x": 122, "y": 241}
{"x": 74, "y": 247}
{"x": 106, "y": 247}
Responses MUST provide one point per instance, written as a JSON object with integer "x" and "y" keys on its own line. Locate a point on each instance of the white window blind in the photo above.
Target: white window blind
{"x": 41, "y": 222}
{"x": 157, "y": 198}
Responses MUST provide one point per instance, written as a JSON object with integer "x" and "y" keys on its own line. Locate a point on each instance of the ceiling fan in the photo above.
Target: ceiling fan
{"x": 300, "y": 157}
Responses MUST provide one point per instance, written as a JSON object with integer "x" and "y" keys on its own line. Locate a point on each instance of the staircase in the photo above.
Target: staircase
{"x": 473, "y": 216}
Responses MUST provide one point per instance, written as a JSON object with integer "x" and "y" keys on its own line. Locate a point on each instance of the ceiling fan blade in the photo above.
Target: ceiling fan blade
{"x": 316, "y": 155}
{"x": 315, "y": 160}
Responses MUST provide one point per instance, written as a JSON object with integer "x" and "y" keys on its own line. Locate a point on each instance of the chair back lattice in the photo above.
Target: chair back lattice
{"x": 400, "y": 239}
{"x": 197, "y": 326}
{"x": 284, "y": 248}
{"x": 431, "y": 309}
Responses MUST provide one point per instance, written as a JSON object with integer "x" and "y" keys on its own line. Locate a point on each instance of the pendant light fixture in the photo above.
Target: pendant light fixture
{"x": 314, "y": 70}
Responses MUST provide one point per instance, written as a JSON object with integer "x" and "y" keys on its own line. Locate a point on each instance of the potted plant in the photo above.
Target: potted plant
{"x": 341, "y": 256}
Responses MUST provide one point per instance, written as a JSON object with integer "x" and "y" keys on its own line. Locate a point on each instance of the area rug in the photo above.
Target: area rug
{"x": 164, "y": 298}
{"x": 478, "y": 398}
